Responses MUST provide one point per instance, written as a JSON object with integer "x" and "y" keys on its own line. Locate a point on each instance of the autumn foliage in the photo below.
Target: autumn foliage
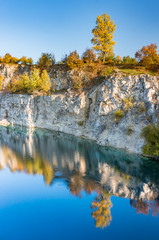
{"x": 103, "y": 36}
{"x": 148, "y": 55}
{"x": 46, "y": 61}
{"x": 1, "y": 81}
{"x": 8, "y": 59}
{"x": 73, "y": 60}
{"x": 30, "y": 83}
{"x": 89, "y": 56}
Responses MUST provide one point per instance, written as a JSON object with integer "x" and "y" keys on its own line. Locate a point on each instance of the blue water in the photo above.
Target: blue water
{"x": 49, "y": 183}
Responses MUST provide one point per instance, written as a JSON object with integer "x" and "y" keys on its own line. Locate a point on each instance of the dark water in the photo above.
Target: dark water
{"x": 53, "y": 186}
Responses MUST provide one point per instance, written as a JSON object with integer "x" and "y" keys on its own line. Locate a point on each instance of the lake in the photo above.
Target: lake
{"x": 55, "y": 186}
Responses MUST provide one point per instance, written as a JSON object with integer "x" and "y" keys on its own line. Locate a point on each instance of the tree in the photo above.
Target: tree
{"x": 148, "y": 54}
{"x": 24, "y": 60}
{"x": 7, "y": 58}
{"x": 46, "y": 61}
{"x": 103, "y": 36}
{"x": 89, "y": 56}
{"x": 64, "y": 59}
{"x": 73, "y": 60}
{"x": 128, "y": 60}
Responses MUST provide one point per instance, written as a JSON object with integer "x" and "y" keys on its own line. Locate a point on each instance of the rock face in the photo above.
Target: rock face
{"x": 91, "y": 114}
{"x": 59, "y": 75}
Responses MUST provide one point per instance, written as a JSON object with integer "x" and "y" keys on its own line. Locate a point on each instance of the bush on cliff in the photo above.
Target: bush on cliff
{"x": 30, "y": 83}
{"x": 1, "y": 82}
{"x": 151, "y": 135}
{"x": 119, "y": 114}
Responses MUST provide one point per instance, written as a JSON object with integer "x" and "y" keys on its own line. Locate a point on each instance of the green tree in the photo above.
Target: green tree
{"x": 103, "y": 36}
{"x": 129, "y": 60}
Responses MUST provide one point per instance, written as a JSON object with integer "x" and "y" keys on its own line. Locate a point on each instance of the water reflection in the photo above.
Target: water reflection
{"x": 83, "y": 166}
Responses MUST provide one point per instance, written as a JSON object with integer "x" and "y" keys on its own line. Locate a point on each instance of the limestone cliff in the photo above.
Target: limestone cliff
{"x": 91, "y": 114}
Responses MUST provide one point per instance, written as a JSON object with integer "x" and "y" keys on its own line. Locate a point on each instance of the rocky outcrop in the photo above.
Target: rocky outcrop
{"x": 91, "y": 114}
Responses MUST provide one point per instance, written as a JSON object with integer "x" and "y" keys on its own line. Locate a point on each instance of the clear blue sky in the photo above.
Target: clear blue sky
{"x": 31, "y": 27}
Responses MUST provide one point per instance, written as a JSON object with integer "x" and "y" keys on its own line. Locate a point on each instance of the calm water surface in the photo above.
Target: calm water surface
{"x": 54, "y": 186}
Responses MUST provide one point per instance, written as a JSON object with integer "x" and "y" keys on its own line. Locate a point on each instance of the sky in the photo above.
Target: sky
{"x": 31, "y": 27}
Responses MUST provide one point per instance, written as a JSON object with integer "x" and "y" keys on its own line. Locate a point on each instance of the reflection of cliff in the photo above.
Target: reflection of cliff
{"x": 83, "y": 166}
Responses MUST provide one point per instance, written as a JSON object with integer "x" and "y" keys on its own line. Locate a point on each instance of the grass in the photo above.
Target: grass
{"x": 137, "y": 71}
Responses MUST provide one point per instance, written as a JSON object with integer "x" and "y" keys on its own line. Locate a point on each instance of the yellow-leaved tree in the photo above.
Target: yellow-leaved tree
{"x": 103, "y": 36}
{"x": 101, "y": 210}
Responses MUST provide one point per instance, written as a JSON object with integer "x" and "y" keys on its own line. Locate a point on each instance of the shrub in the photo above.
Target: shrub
{"x": 128, "y": 103}
{"x": 118, "y": 115}
{"x": 151, "y": 135}
{"x": 77, "y": 83}
{"x": 28, "y": 84}
{"x": 1, "y": 82}
{"x": 141, "y": 108}
{"x": 129, "y": 131}
{"x": 80, "y": 123}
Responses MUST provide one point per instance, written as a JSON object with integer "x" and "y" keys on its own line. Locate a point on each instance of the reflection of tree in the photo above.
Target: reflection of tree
{"x": 91, "y": 185}
{"x": 36, "y": 165}
{"x": 154, "y": 205}
{"x": 145, "y": 206}
{"x": 140, "y": 206}
{"x": 76, "y": 183}
{"x": 101, "y": 210}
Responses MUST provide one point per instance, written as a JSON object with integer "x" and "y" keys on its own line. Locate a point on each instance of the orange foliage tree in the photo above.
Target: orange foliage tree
{"x": 148, "y": 54}
{"x": 73, "y": 60}
{"x": 89, "y": 56}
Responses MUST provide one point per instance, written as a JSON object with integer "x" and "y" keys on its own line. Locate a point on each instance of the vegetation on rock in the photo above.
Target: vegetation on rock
{"x": 30, "y": 83}
{"x": 1, "y": 82}
{"x": 119, "y": 114}
{"x": 151, "y": 135}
